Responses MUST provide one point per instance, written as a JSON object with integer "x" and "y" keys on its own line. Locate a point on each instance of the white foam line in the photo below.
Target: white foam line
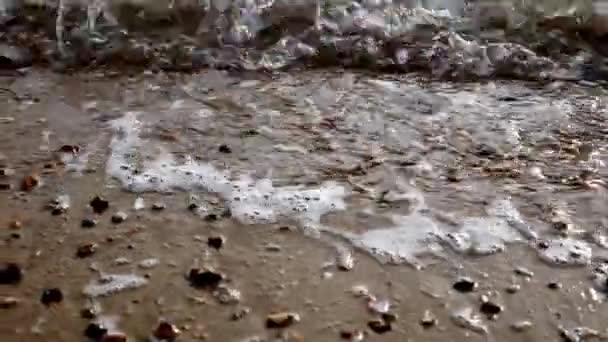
{"x": 250, "y": 201}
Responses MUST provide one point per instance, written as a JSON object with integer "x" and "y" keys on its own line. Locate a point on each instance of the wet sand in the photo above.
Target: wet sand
{"x": 372, "y": 141}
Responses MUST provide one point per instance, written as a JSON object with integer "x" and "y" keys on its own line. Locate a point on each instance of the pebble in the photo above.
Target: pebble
{"x": 554, "y": 285}
{"x": 119, "y": 217}
{"x": 464, "y": 285}
{"x": 10, "y": 273}
{"x": 345, "y": 259}
{"x": 88, "y": 223}
{"x": 158, "y": 206}
{"x": 513, "y": 288}
{"x": 114, "y": 337}
{"x": 216, "y": 241}
{"x": 5, "y": 186}
{"x": 99, "y": 205}
{"x": 352, "y": 335}
{"x": 30, "y": 182}
{"x": 282, "y": 319}
{"x": 121, "y": 261}
{"x": 166, "y": 332}
{"x": 380, "y": 306}
{"x": 227, "y": 295}
{"x": 15, "y": 224}
{"x": 379, "y": 326}
{"x": 224, "y": 149}
{"x": 8, "y": 302}
{"x": 490, "y": 309}
{"x": 6, "y": 172}
{"x": 51, "y": 296}
{"x": 205, "y": 278}
{"x": 465, "y": 318}
{"x": 524, "y": 272}
{"x": 240, "y": 313}
{"x": 520, "y": 326}
{"x": 360, "y": 291}
{"x": 149, "y": 263}
{"x": 95, "y": 331}
{"x": 428, "y": 319}
{"x": 86, "y": 250}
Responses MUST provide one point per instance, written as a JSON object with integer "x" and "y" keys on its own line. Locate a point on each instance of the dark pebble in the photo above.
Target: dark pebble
{"x": 86, "y": 250}
{"x": 10, "y": 273}
{"x": 211, "y": 218}
{"x": 554, "y": 286}
{"x": 379, "y": 326}
{"x": 166, "y": 332}
{"x": 88, "y": 223}
{"x": 88, "y": 313}
{"x": 6, "y": 186}
{"x": 95, "y": 331}
{"x": 490, "y": 309}
{"x": 204, "y": 279}
{"x": 50, "y": 296}
{"x": 99, "y": 205}
{"x": 158, "y": 206}
{"x": 389, "y": 317}
{"x": 225, "y": 149}
{"x": 115, "y": 337}
{"x": 216, "y": 241}
{"x": 464, "y": 285}
{"x": 119, "y": 217}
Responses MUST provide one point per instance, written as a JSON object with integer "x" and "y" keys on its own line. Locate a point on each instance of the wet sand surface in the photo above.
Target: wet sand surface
{"x": 459, "y": 181}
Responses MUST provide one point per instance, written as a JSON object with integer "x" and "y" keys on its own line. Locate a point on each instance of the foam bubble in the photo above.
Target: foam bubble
{"x": 567, "y": 252}
{"x": 414, "y": 236}
{"x": 250, "y": 201}
{"x": 113, "y": 283}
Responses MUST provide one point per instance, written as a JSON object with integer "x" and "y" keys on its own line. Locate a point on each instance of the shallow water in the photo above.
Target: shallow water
{"x": 443, "y": 180}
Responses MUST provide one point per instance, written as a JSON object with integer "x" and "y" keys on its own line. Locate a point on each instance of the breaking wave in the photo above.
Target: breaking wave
{"x": 454, "y": 39}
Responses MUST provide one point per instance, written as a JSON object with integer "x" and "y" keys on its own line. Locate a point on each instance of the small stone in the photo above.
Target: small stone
{"x": 95, "y": 331}
{"x": 99, "y": 205}
{"x": 240, "y": 313}
{"x": 282, "y": 319}
{"x": 428, "y": 319}
{"x": 114, "y": 337}
{"x": 30, "y": 182}
{"x": 464, "y": 285}
{"x": 216, "y": 241}
{"x": 227, "y": 295}
{"x": 225, "y": 149}
{"x": 8, "y": 302}
{"x": 73, "y": 149}
{"x": 88, "y": 313}
{"x": 520, "y": 326}
{"x": 86, "y": 250}
{"x": 51, "y": 296}
{"x": 6, "y": 172}
{"x": 119, "y": 217}
{"x": 158, "y": 206}
{"x": 166, "y": 332}
{"x": 513, "y": 288}
{"x": 352, "y": 335}
{"x": 360, "y": 291}
{"x": 5, "y": 186}
{"x": 345, "y": 259}
{"x": 10, "y": 273}
{"x": 88, "y": 223}
{"x": 389, "y": 317}
{"x": 554, "y": 286}
{"x": 205, "y": 279}
{"x": 379, "y": 326}
{"x": 490, "y": 309}
{"x": 15, "y": 224}
{"x": 148, "y": 263}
